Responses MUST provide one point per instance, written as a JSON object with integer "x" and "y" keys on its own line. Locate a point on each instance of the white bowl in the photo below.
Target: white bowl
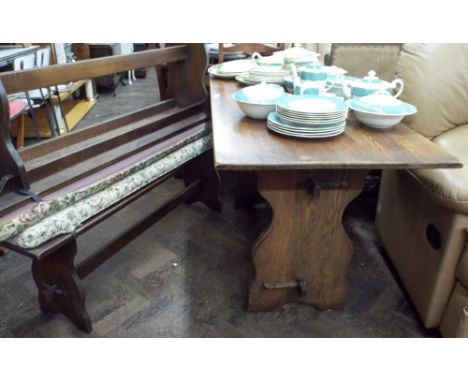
{"x": 259, "y": 100}
{"x": 256, "y": 111}
{"x": 378, "y": 121}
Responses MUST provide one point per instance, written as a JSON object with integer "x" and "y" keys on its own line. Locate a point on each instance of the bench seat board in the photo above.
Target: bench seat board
{"x": 62, "y": 214}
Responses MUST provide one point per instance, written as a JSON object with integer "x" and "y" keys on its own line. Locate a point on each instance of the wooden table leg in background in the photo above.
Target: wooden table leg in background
{"x": 303, "y": 255}
{"x": 246, "y": 193}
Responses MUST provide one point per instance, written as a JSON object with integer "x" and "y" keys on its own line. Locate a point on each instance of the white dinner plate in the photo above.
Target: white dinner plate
{"x": 308, "y": 131}
{"x": 213, "y": 70}
{"x": 307, "y": 122}
{"x": 316, "y": 117}
{"x": 301, "y": 135}
{"x": 235, "y": 67}
{"x": 275, "y": 120}
{"x": 312, "y": 105}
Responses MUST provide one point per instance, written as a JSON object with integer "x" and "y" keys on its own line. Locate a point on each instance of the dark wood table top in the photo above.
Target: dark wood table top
{"x": 243, "y": 143}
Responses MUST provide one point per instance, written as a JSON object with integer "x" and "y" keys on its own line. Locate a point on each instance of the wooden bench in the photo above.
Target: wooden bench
{"x": 98, "y": 162}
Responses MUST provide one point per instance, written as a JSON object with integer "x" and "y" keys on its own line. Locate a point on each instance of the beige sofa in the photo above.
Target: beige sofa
{"x": 422, "y": 215}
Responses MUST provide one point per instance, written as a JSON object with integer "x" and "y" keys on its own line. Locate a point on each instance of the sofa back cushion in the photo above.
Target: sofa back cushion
{"x": 436, "y": 82}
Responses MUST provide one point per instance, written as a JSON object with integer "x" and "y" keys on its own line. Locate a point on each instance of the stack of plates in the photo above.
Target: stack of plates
{"x": 231, "y": 69}
{"x": 309, "y": 116}
{"x": 268, "y": 74}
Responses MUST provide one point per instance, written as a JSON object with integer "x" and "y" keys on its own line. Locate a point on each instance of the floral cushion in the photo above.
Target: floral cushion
{"x": 48, "y": 219}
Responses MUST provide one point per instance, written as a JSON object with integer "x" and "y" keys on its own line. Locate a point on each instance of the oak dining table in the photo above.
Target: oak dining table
{"x": 303, "y": 254}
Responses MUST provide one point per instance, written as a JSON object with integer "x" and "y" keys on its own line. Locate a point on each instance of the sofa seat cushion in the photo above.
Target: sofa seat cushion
{"x": 63, "y": 214}
{"x": 450, "y": 186}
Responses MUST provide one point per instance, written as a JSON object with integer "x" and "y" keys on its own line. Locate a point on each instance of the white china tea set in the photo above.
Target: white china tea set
{"x": 319, "y": 96}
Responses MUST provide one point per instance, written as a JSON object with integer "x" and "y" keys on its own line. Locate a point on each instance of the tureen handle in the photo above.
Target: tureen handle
{"x": 256, "y": 57}
{"x": 396, "y": 82}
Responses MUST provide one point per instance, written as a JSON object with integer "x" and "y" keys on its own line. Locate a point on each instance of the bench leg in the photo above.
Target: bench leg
{"x": 203, "y": 168}
{"x": 58, "y": 286}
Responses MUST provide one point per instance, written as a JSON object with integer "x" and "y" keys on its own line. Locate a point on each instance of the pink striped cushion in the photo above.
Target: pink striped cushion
{"x": 16, "y": 107}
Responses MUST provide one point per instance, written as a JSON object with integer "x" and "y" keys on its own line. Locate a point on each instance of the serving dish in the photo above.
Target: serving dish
{"x": 259, "y": 100}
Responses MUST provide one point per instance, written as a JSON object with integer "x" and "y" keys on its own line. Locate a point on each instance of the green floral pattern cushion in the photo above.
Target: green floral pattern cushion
{"x": 49, "y": 219}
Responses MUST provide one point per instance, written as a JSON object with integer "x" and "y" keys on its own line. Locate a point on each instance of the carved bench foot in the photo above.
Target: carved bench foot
{"x": 303, "y": 255}
{"x": 58, "y": 286}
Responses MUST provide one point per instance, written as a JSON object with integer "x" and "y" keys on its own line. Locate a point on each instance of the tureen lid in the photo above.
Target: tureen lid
{"x": 298, "y": 52}
{"x": 262, "y": 93}
{"x": 275, "y": 59}
{"x": 382, "y": 102}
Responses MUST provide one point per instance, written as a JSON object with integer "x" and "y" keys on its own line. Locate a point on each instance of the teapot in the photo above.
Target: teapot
{"x": 313, "y": 72}
{"x": 370, "y": 85}
{"x": 312, "y": 79}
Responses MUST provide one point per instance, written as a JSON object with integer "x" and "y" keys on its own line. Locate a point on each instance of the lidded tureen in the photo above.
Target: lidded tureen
{"x": 300, "y": 56}
{"x": 369, "y": 85}
{"x": 380, "y": 110}
{"x": 276, "y": 60}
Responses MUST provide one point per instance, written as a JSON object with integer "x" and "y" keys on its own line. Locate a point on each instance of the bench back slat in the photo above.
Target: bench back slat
{"x": 59, "y": 160}
{"x": 186, "y": 66}
{"x": 31, "y": 79}
{"x": 56, "y": 143}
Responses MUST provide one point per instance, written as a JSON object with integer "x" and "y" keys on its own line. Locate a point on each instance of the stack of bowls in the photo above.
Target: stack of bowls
{"x": 309, "y": 116}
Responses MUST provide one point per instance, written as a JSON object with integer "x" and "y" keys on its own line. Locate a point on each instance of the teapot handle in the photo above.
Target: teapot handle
{"x": 295, "y": 76}
{"x": 256, "y": 57}
{"x": 396, "y": 82}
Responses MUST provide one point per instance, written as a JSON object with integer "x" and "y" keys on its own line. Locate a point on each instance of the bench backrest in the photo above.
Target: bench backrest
{"x": 56, "y": 162}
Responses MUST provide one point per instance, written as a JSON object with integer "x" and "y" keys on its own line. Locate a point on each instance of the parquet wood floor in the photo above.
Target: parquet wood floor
{"x": 188, "y": 275}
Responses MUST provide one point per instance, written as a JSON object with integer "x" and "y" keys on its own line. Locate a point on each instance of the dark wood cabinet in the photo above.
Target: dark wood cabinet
{"x": 108, "y": 82}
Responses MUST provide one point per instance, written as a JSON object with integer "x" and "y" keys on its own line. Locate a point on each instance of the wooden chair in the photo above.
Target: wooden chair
{"x": 359, "y": 59}
{"x": 97, "y": 171}
{"x": 39, "y": 95}
{"x": 17, "y": 109}
{"x": 263, "y": 49}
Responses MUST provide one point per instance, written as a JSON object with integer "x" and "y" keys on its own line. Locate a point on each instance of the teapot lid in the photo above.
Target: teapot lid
{"x": 372, "y": 78}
